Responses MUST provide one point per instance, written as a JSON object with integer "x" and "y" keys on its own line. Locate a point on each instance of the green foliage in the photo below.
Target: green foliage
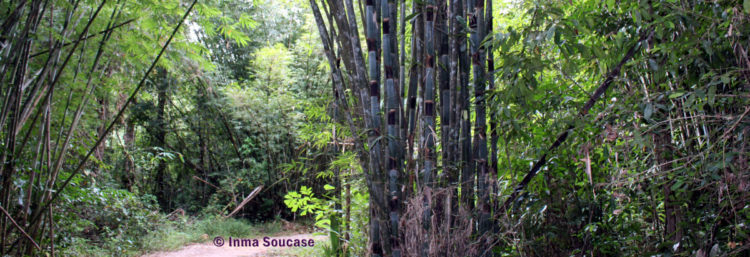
{"x": 604, "y": 192}
{"x": 95, "y": 221}
{"x": 306, "y": 203}
{"x": 231, "y": 119}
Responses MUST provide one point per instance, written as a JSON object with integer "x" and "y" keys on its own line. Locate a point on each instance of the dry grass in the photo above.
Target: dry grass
{"x": 443, "y": 240}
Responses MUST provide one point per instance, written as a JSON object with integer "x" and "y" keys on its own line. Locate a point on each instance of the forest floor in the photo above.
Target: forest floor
{"x": 209, "y": 249}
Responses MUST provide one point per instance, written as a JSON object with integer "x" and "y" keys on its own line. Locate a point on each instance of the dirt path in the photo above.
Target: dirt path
{"x": 211, "y": 250}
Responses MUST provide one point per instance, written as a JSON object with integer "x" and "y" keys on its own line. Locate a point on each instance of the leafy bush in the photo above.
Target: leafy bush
{"x": 115, "y": 222}
{"x": 305, "y": 202}
{"x": 92, "y": 220}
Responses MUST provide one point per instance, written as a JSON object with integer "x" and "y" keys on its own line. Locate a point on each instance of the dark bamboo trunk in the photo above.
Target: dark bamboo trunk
{"x": 393, "y": 160}
{"x": 455, "y": 112}
{"x": 335, "y": 233}
{"x": 467, "y": 164}
{"x": 160, "y": 140}
{"x": 441, "y": 36}
{"x": 482, "y": 213}
{"x": 493, "y": 160}
{"x": 490, "y": 76}
{"x": 415, "y": 82}
{"x": 128, "y": 173}
{"x": 442, "y": 206}
{"x": 377, "y": 191}
{"x": 429, "y": 130}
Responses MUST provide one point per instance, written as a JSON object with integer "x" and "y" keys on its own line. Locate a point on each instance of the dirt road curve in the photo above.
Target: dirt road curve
{"x": 210, "y": 250}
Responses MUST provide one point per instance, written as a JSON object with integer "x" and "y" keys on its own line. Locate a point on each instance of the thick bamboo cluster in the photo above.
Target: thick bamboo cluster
{"x": 427, "y": 127}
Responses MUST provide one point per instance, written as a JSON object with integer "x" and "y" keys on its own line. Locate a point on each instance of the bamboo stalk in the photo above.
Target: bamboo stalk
{"x": 377, "y": 198}
{"x": 441, "y": 27}
{"x": 393, "y": 158}
{"x": 7, "y": 215}
{"x": 415, "y": 82}
{"x": 482, "y": 212}
{"x": 467, "y": 165}
{"x": 429, "y": 134}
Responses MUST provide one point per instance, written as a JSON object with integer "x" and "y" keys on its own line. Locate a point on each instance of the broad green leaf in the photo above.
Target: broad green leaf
{"x": 677, "y": 185}
{"x": 676, "y": 95}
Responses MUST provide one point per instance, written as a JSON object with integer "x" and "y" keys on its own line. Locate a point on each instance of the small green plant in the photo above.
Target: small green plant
{"x": 306, "y": 203}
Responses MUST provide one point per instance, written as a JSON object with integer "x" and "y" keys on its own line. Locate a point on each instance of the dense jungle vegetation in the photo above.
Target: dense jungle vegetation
{"x": 394, "y": 127}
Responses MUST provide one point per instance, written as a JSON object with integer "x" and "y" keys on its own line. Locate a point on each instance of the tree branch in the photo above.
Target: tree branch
{"x": 86, "y": 37}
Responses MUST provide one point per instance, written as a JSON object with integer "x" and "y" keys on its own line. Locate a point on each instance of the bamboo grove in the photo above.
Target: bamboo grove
{"x": 430, "y": 154}
{"x": 439, "y": 73}
{"x": 411, "y": 124}
{"x": 29, "y": 85}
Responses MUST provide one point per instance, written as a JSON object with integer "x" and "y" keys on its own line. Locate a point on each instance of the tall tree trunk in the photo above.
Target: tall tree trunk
{"x": 335, "y": 234}
{"x": 490, "y": 76}
{"x": 477, "y": 25}
{"x": 393, "y": 159}
{"x": 456, "y": 10}
{"x": 493, "y": 160}
{"x": 441, "y": 36}
{"x": 663, "y": 153}
{"x": 203, "y": 161}
{"x": 403, "y": 122}
{"x": 348, "y": 212}
{"x": 128, "y": 177}
{"x": 377, "y": 190}
{"x": 103, "y": 117}
{"x": 429, "y": 131}
{"x": 664, "y": 158}
{"x": 467, "y": 164}
{"x": 442, "y": 206}
{"x": 415, "y": 82}
{"x": 160, "y": 139}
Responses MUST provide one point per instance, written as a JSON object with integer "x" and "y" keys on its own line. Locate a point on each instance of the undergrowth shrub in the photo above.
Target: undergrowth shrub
{"x": 115, "y": 222}
{"x": 92, "y": 220}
